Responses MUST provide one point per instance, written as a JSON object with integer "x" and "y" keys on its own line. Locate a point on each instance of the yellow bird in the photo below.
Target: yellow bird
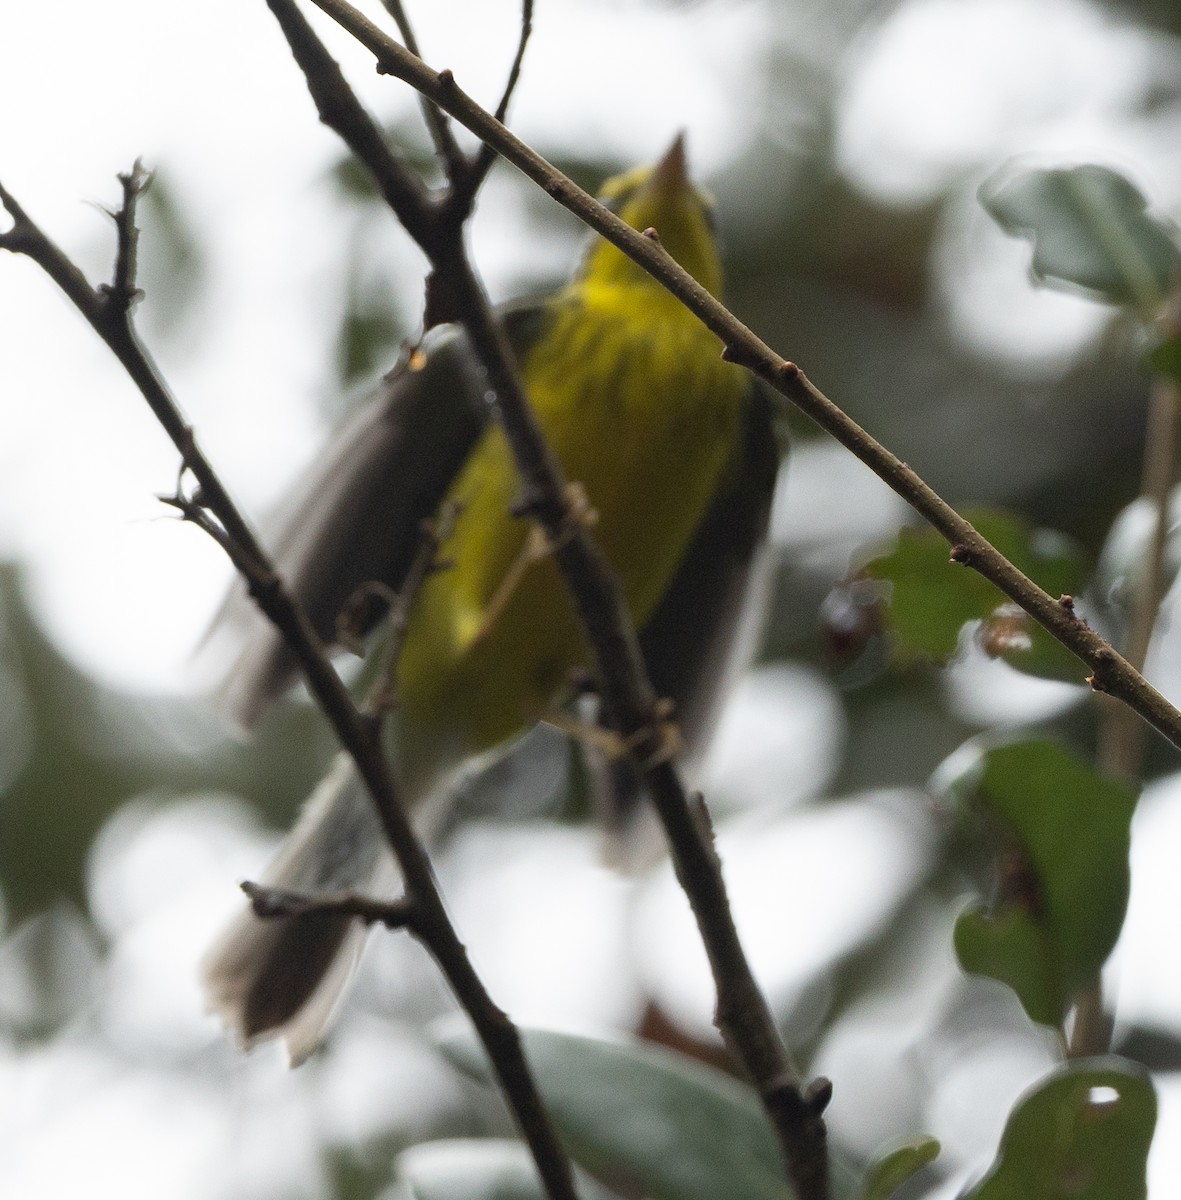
{"x": 676, "y": 452}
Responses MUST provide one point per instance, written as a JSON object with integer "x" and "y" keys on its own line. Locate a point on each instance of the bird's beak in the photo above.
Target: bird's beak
{"x": 671, "y": 174}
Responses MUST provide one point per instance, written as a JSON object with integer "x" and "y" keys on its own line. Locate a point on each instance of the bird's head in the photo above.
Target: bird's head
{"x": 664, "y": 198}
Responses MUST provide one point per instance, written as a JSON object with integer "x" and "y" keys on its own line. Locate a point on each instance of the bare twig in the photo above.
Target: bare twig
{"x": 1110, "y": 672}
{"x": 1121, "y": 733}
{"x": 108, "y": 312}
{"x": 487, "y": 155}
{"x": 451, "y": 155}
{"x": 272, "y": 902}
{"x": 434, "y": 533}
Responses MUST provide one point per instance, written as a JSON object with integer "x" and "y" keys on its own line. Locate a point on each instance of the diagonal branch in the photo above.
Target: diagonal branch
{"x": 450, "y": 154}
{"x": 108, "y": 310}
{"x": 487, "y": 155}
{"x": 1110, "y": 672}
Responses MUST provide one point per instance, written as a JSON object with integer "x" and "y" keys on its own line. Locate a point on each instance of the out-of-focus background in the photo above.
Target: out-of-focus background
{"x": 845, "y": 143}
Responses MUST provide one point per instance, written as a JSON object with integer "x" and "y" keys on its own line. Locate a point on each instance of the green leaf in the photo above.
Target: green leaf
{"x": 1082, "y": 1134}
{"x": 932, "y": 598}
{"x": 478, "y": 1169}
{"x": 889, "y": 1172}
{"x": 664, "y": 1125}
{"x": 1165, "y": 358}
{"x": 1090, "y": 230}
{"x": 1061, "y": 869}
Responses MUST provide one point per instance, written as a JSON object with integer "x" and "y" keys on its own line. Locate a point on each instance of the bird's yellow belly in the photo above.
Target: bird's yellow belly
{"x": 643, "y": 415}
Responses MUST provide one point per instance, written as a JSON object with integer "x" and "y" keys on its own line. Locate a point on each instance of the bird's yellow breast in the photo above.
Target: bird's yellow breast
{"x": 635, "y": 400}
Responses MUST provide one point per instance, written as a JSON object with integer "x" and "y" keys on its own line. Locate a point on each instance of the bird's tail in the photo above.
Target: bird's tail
{"x": 282, "y": 976}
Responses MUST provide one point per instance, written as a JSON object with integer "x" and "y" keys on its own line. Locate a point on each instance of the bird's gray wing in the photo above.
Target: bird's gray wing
{"x": 356, "y": 516}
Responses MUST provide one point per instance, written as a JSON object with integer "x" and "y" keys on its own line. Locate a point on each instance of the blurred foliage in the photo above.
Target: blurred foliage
{"x": 931, "y": 597}
{"x": 649, "y": 1122}
{"x": 478, "y": 1169}
{"x": 1060, "y": 891}
{"x": 1090, "y": 230}
{"x": 1165, "y": 358}
{"x": 892, "y": 1170}
{"x": 1082, "y": 1135}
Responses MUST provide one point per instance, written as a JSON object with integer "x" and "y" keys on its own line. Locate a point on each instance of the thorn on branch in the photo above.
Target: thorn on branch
{"x": 818, "y": 1094}
{"x": 784, "y": 1096}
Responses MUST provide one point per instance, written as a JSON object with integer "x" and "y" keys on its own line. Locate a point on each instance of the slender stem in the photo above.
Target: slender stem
{"x": 446, "y": 147}
{"x": 487, "y": 156}
{"x": 1121, "y": 733}
{"x": 1110, "y": 672}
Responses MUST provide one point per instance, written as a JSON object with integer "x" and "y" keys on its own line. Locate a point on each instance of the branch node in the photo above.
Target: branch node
{"x": 818, "y": 1094}
{"x": 788, "y": 371}
{"x": 960, "y": 553}
{"x": 652, "y": 236}
{"x": 1102, "y": 660}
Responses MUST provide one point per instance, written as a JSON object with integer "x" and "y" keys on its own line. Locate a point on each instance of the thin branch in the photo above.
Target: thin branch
{"x": 426, "y": 563}
{"x": 487, "y": 155}
{"x": 1121, "y": 734}
{"x": 110, "y": 318}
{"x": 272, "y": 903}
{"x": 742, "y": 1012}
{"x": 1110, "y": 672}
{"x": 455, "y": 162}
